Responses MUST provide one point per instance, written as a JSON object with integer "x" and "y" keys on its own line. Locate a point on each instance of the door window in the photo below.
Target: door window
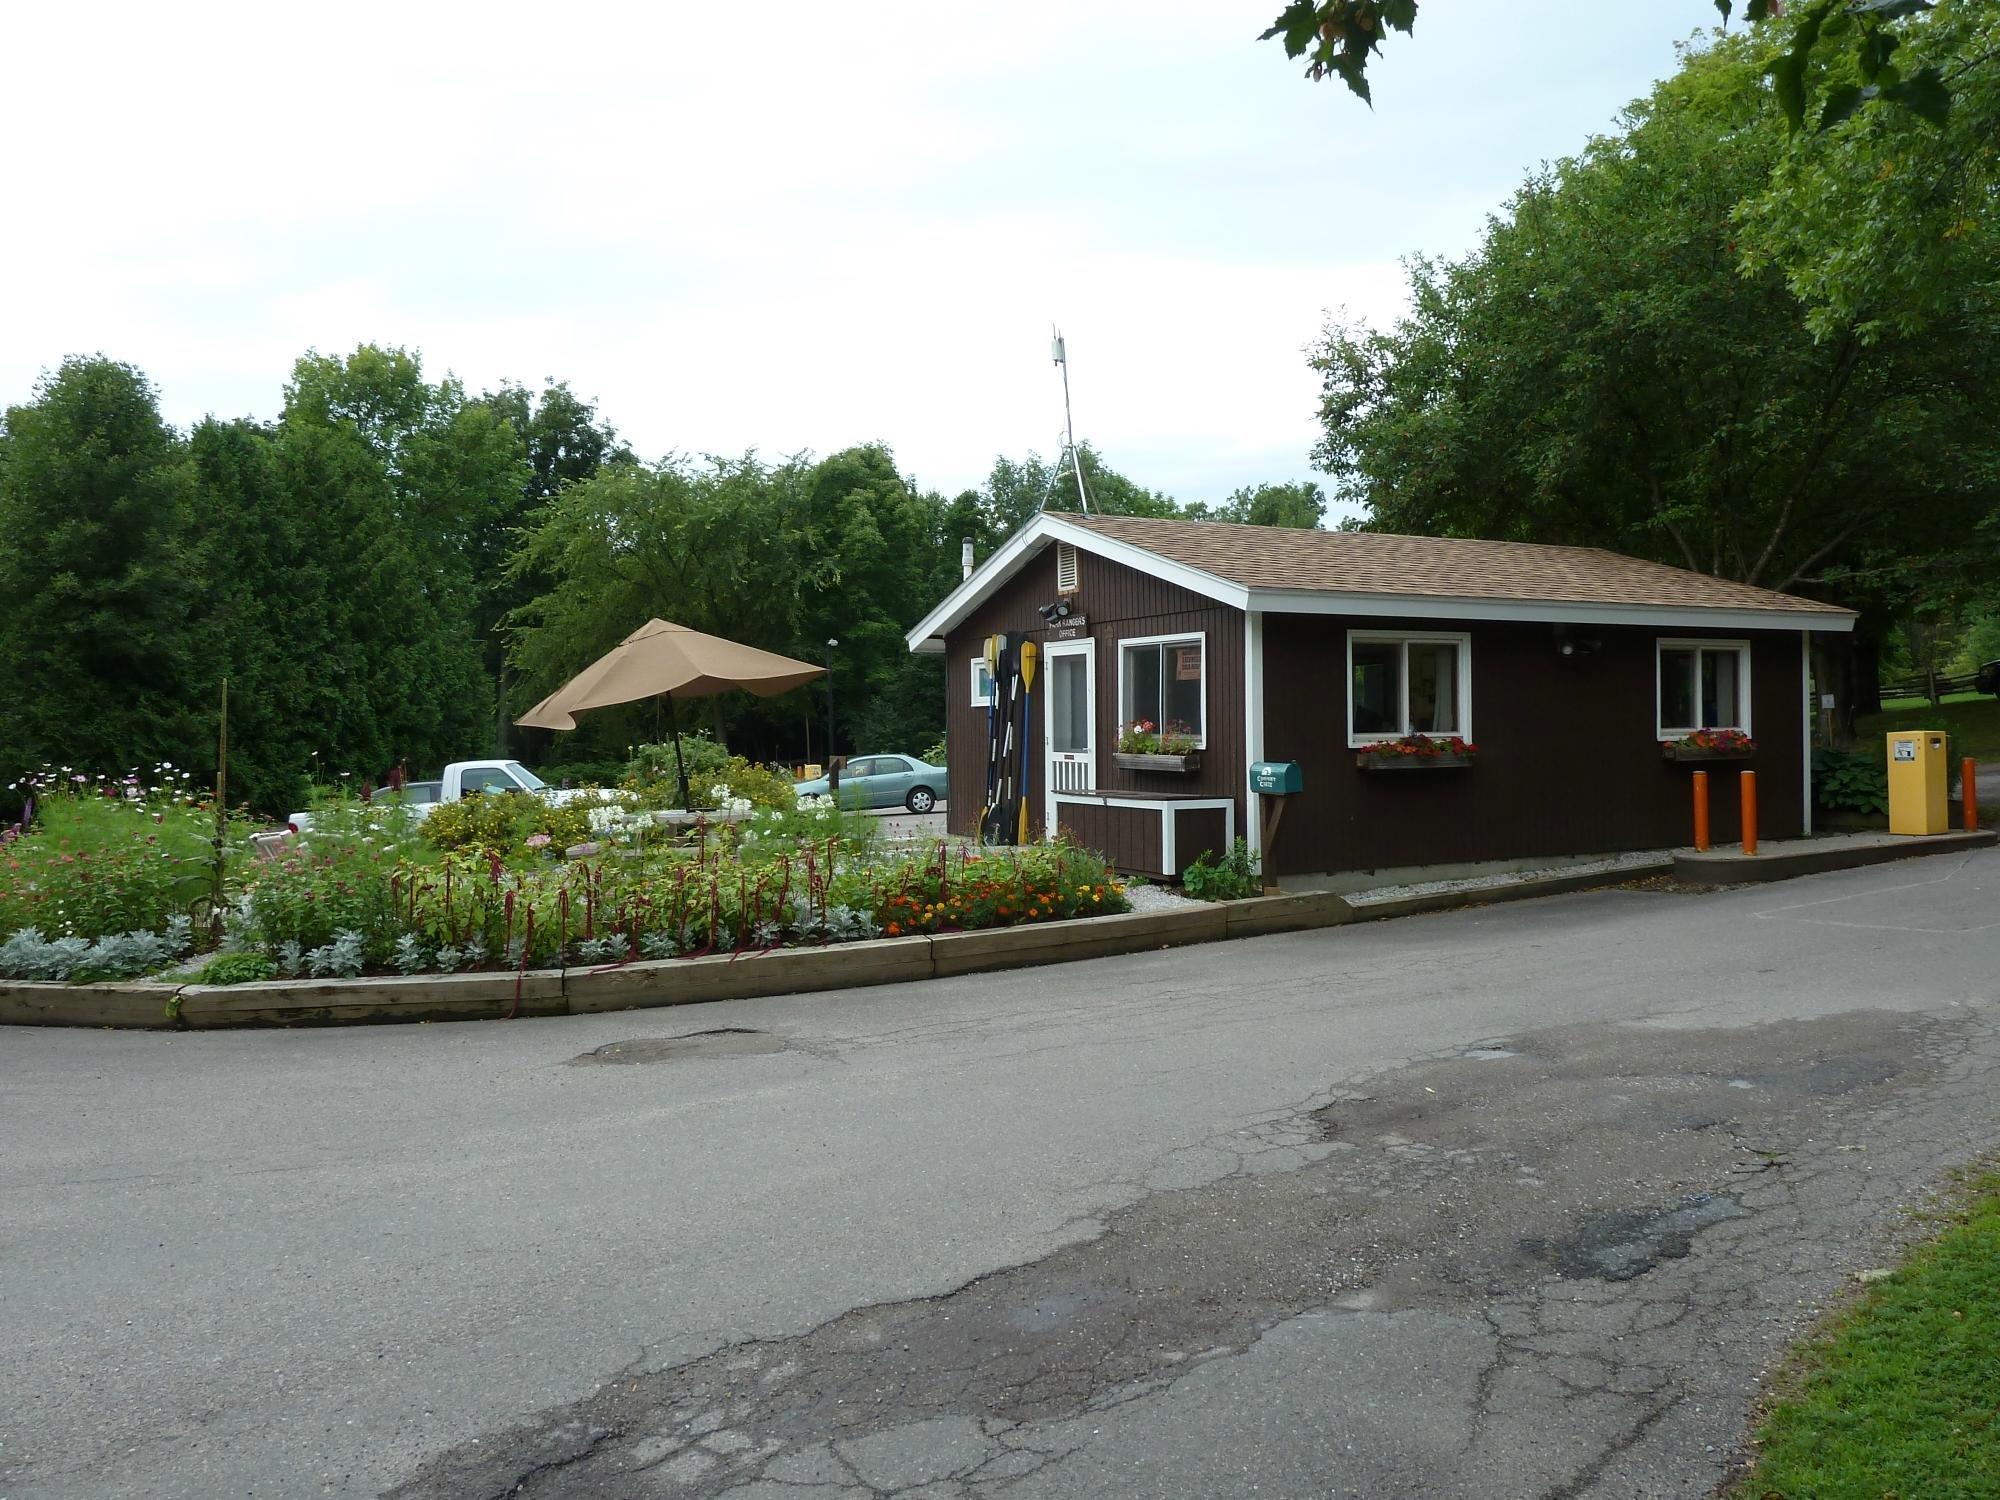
{"x": 1069, "y": 704}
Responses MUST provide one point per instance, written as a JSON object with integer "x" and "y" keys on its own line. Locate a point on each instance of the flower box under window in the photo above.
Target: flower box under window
{"x": 1710, "y": 744}
{"x": 1416, "y": 752}
{"x": 1156, "y": 761}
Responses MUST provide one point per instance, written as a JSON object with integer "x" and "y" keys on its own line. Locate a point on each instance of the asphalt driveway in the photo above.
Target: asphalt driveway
{"x": 1511, "y": 1201}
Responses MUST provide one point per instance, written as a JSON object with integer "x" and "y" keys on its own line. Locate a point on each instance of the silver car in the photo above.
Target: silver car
{"x": 884, "y": 781}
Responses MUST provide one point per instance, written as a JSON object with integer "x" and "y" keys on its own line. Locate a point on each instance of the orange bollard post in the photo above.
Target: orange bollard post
{"x": 1968, "y": 786}
{"x": 1701, "y": 811}
{"x": 1748, "y": 781}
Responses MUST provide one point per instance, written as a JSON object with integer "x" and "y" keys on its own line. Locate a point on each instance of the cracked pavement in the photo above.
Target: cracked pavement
{"x": 1514, "y": 1201}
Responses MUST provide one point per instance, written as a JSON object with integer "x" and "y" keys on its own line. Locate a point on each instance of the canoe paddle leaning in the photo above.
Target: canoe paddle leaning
{"x": 996, "y": 646}
{"x": 1027, "y": 700}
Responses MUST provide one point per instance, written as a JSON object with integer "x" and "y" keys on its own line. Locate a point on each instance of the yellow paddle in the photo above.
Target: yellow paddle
{"x": 1027, "y": 685}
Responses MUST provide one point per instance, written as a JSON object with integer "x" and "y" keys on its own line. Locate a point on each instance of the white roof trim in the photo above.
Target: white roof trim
{"x": 1019, "y": 549}
{"x": 1015, "y": 554}
{"x": 1543, "y": 611}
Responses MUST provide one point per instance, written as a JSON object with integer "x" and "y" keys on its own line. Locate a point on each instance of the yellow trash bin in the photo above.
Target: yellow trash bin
{"x": 1917, "y": 778}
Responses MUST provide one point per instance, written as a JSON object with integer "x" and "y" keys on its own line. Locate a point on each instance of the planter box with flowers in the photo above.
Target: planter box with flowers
{"x": 1142, "y": 746}
{"x": 1416, "y": 752}
{"x": 1710, "y": 744}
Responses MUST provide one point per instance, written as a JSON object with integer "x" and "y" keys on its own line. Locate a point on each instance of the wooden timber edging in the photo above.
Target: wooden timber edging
{"x": 790, "y": 971}
{"x": 672, "y": 981}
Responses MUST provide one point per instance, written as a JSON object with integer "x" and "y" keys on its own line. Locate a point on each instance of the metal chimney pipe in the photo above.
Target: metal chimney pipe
{"x": 965, "y": 556}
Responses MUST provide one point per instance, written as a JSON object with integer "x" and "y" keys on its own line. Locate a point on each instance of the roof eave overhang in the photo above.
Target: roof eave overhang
{"x": 1543, "y": 611}
{"x": 1019, "y": 549}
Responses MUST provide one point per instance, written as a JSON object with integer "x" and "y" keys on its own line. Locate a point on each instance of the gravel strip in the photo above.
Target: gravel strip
{"x": 1156, "y": 898}
{"x": 1496, "y": 882}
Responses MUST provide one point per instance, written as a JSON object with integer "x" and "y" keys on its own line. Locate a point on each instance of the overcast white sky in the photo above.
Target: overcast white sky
{"x": 783, "y": 226}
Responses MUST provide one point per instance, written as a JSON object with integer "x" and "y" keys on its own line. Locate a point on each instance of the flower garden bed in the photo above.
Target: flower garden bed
{"x": 650, "y": 983}
{"x": 119, "y": 883}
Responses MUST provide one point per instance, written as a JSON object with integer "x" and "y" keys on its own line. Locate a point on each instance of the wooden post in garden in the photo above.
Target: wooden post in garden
{"x": 1747, "y": 780}
{"x": 215, "y": 886}
{"x": 1701, "y": 812}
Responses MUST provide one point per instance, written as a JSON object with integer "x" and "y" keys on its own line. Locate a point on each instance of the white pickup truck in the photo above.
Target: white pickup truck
{"x": 465, "y": 778}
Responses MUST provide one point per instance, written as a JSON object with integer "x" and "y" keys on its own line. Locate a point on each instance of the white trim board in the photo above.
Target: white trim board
{"x": 1663, "y": 645}
{"x": 1168, "y": 849}
{"x": 1461, "y": 682}
{"x": 1253, "y": 730}
{"x": 1020, "y": 548}
{"x": 1180, "y": 638}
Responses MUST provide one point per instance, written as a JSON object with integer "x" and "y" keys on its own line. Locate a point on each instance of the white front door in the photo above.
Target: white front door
{"x": 1071, "y": 717}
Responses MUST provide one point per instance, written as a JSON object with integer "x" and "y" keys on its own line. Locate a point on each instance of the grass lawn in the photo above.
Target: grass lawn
{"x": 1972, "y": 721}
{"x": 1891, "y": 705}
{"x": 1901, "y": 1396}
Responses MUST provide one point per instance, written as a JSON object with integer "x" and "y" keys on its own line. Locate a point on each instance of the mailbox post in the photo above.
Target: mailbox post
{"x": 1274, "y": 781}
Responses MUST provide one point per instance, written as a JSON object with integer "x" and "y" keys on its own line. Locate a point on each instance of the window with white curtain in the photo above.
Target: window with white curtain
{"x": 1403, "y": 683}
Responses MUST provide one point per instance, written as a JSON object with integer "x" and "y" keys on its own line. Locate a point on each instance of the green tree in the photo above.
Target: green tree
{"x": 1885, "y": 220}
{"x": 1339, "y": 39}
{"x": 565, "y": 443}
{"x": 1017, "y": 491}
{"x": 726, "y": 547}
{"x": 94, "y": 595}
{"x": 1301, "y": 505}
{"x": 1602, "y": 370}
{"x": 262, "y": 619}
{"x": 413, "y": 481}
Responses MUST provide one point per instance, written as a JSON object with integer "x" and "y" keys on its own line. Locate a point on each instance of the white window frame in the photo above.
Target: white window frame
{"x": 1406, "y": 638}
{"x": 1178, "y": 638}
{"x": 988, "y": 698}
{"x": 1665, "y": 644}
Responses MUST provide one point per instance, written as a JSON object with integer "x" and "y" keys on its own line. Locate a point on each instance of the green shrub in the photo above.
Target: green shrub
{"x": 652, "y": 772}
{"x": 1850, "y": 780}
{"x": 935, "y": 754}
{"x": 1231, "y": 879}
{"x": 503, "y": 823}
{"x": 759, "y": 785}
{"x": 236, "y": 968}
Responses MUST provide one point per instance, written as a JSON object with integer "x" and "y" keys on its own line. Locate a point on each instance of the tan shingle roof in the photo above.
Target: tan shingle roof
{"x": 1367, "y": 562}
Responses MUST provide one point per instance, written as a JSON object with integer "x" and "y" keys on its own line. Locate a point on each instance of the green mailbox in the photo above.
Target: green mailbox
{"x": 1276, "y": 778}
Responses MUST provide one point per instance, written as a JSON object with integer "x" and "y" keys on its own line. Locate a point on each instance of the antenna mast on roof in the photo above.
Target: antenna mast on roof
{"x": 1061, "y": 356}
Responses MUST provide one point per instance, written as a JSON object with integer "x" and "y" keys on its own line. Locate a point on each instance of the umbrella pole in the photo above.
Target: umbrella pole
{"x": 680, "y": 761}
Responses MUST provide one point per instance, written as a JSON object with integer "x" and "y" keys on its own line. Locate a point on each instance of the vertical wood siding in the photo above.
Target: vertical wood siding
{"x": 1119, "y": 603}
{"x": 1569, "y": 761}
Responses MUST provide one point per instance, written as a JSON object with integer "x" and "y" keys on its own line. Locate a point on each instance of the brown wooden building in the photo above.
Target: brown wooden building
{"x": 1570, "y": 669}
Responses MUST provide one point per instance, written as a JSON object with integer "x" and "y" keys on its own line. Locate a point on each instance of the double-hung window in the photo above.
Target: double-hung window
{"x": 1163, "y": 683}
{"x": 1408, "y": 682}
{"x": 1703, "y": 685}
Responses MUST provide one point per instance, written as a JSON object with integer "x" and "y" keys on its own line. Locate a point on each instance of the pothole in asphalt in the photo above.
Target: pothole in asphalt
{"x": 1618, "y": 1246}
{"x": 1489, "y": 1054}
{"x": 721, "y": 1041}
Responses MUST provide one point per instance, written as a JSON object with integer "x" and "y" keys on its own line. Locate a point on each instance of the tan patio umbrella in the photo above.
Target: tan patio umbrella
{"x": 664, "y": 660}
